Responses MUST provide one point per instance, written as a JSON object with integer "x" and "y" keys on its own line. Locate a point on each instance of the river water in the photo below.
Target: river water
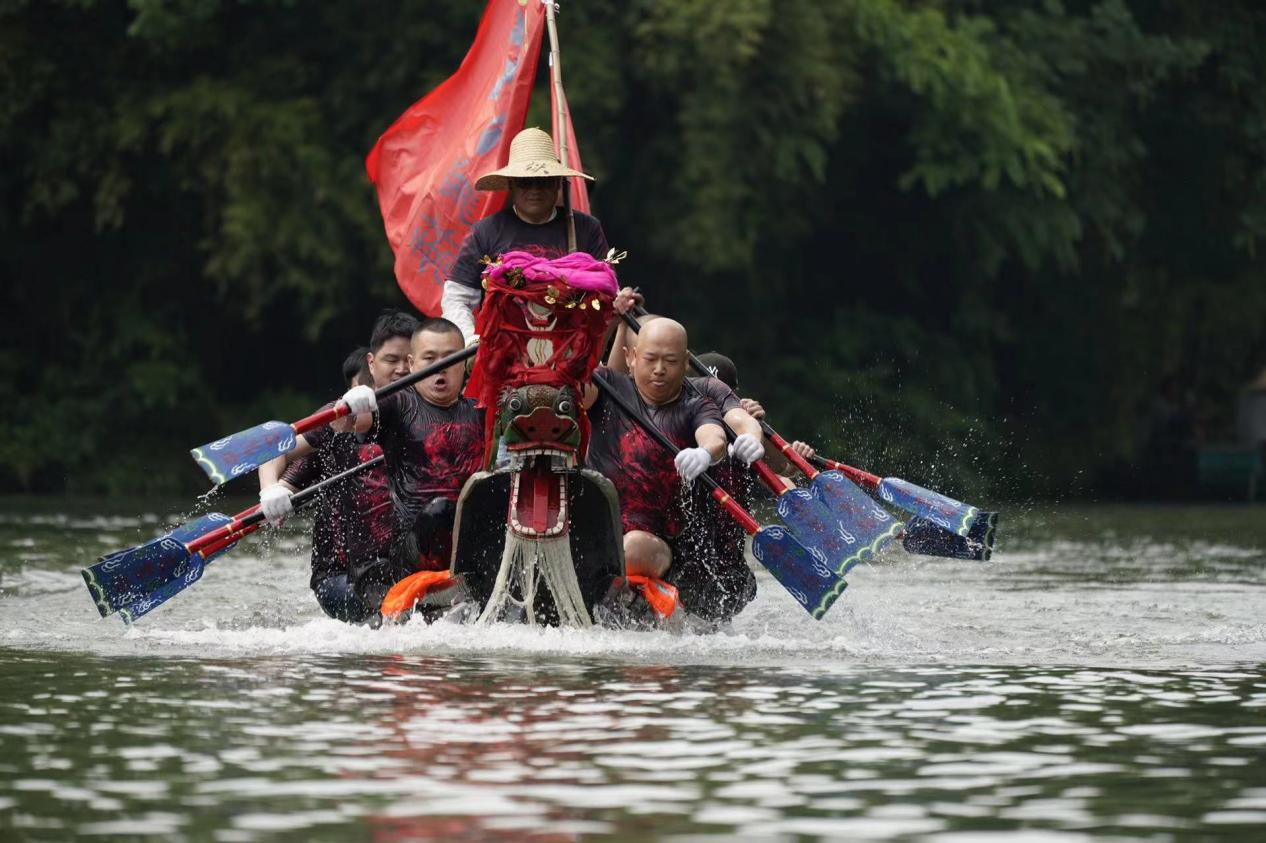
{"x": 1101, "y": 678}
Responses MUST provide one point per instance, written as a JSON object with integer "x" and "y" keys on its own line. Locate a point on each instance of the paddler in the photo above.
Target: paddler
{"x": 352, "y": 522}
{"x": 530, "y": 222}
{"x": 351, "y": 527}
{"x": 647, "y": 480}
{"x": 710, "y": 570}
{"x": 432, "y": 437}
{"x": 721, "y": 394}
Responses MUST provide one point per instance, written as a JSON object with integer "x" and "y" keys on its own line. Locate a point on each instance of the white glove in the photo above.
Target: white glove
{"x": 747, "y": 448}
{"x": 360, "y": 399}
{"x": 691, "y": 462}
{"x": 274, "y": 502}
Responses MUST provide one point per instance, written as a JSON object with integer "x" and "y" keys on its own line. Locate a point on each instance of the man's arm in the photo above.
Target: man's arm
{"x": 623, "y": 303}
{"x": 773, "y": 457}
{"x": 740, "y": 421}
{"x": 711, "y": 437}
{"x": 271, "y": 471}
{"x": 617, "y": 359}
{"x": 459, "y": 304}
{"x": 301, "y": 473}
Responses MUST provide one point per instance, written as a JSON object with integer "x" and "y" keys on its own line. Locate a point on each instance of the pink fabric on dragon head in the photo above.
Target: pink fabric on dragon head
{"x": 578, "y": 270}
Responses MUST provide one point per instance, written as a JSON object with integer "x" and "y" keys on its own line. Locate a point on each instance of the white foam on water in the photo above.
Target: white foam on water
{"x": 1104, "y": 603}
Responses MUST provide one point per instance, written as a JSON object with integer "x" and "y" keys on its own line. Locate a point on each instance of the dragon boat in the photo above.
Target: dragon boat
{"x": 537, "y": 535}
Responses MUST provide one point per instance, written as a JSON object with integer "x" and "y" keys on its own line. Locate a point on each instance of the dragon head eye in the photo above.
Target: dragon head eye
{"x": 565, "y": 404}
{"x": 515, "y": 404}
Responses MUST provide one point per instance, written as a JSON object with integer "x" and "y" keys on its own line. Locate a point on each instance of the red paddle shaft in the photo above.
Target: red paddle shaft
{"x": 749, "y": 524}
{"x": 865, "y": 479}
{"x": 248, "y": 520}
{"x": 323, "y": 417}
{"x": 216, "y": 547}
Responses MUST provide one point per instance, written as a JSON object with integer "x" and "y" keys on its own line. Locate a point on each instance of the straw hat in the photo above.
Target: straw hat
{"x": 532, "y": 156}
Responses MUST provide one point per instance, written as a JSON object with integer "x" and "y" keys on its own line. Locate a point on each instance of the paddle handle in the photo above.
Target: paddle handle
{"x": 252, "y": 517}
{"x": 865, "y": 479}
{"x": 323, "y": 417}
{"x": 746, "y": 521}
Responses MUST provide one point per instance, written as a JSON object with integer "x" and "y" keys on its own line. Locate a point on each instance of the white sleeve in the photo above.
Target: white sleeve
{"x": 458, "y": 303}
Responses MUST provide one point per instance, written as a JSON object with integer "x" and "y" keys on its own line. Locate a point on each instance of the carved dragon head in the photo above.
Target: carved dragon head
{"x": 541, "y": 429}
{"x": 540, "y": 419}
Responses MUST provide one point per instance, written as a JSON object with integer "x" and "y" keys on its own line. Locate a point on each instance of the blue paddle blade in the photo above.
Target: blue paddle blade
{"x": 226, "y": 458}
{"x": 191, "y": 572}
{"x": 956, "y": 517}
{"x": 121, "y": 578}
{"x": 861, "y": 527}
{"x": 816, "y": 526}
{"x": 928, "y": 539}
{"x": 804, "y": 574}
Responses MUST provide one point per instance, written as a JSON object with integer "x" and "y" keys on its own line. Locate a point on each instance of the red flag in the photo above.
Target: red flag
{"x": 425, "y": 165}
{"x": 579, "y": 186}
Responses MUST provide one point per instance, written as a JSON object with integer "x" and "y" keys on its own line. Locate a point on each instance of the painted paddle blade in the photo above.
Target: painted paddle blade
{"x": 190, "y": 573}
{"x": 927, "y": 539}
{"x": 121, "y": 578}
{"x": 822, "y": 531}
{"x": 226, "y": 458}
{"x": 806, "y": 575}
{"x": 862, "y": 527}
{"x": 947, "y": 513}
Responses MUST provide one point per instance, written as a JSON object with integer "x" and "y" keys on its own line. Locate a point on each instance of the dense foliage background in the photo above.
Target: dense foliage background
{"x": 962, "y": 240}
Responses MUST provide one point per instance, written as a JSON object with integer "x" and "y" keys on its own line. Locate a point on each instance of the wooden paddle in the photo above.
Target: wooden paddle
{"x": 808, "y": 578}
{"x": 134, "y": 581}
{"x": 247, "y": 450}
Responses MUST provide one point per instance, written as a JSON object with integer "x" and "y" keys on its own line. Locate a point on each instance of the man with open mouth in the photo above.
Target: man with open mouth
{"x": 432, "y": 438}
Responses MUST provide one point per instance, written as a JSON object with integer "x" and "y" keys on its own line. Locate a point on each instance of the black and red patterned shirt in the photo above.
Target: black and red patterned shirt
{"x": 431, "y": 451}
{"x": 643, "y": 472}
{"x": 352, "y": 520}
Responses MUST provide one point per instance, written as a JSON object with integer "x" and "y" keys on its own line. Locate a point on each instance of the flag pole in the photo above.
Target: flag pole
{"x": 560, "y": 117}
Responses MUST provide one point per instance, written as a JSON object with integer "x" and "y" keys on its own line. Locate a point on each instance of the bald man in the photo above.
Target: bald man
{"x": 709, "y": 566}
{"x": 647, "y": 478}
{"x": 733, "y": 409}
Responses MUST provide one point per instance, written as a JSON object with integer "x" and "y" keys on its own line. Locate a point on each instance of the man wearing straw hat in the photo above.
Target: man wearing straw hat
{"x": 530, "y": 222}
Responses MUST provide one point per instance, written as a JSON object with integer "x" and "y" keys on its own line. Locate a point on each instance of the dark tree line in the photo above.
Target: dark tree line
{"x": 963, "y": 241}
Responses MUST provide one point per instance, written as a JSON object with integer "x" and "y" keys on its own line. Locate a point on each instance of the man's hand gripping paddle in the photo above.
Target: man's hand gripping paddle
{"x": 806, "y": 575}
{"x": 247, "y": 450}
{"x": 133, "y": 582}
{"x": 842, "y": 529}
{"x": 941, "y": 526}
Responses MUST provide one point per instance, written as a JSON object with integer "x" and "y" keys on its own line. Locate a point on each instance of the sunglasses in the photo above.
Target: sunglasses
{"x": 542, "y": 183}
